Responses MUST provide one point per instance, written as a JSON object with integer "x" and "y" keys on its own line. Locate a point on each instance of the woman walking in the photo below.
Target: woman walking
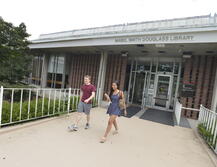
{"x": 114, "y": 109}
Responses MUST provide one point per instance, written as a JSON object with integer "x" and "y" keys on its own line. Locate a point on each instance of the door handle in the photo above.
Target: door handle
{"x": 161, "y": 98}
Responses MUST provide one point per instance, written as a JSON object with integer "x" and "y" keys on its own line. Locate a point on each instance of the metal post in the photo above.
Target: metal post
{"x": 54, "y": 102}
{"x": 129, "y": 85}
{"x": 134, "y": 81}
{"x": 21, "y": 102}
{"x": 69, "y": 96}
{"x": 29, "y": 102}
{"x": 200, "y": 114}
{"x": 73, "y": 98}
{"x": 36, "y": 104}
{"x": 64, "y": 100}
{"x": 12, "y": 102}
{"x": 43, "y": 90}
{"x": 1, "y": 104}
{"x": 60, "y": 94}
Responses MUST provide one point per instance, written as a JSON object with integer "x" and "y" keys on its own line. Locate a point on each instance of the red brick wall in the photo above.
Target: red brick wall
{"x": 82, "y": 65}
{"x": 199, "y": 70}
{"x": 115, "y": 71}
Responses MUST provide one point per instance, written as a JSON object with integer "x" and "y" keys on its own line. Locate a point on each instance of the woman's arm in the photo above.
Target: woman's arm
{"x": 107, "y": 97}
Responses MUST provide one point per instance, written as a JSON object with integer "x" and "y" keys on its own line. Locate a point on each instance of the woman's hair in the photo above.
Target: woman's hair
{"x": 112, "y": 90}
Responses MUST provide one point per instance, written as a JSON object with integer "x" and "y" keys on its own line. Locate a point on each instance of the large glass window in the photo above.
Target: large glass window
{"x": 55, "y": 71}
{"x": 37, "y": 69}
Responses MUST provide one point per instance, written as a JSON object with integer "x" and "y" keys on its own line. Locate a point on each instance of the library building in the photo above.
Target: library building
{"x": 155, "y": 62}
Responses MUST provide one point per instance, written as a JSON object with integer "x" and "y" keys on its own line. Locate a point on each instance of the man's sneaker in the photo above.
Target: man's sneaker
{"x": 70, "y": 127}
{"x": 87, "y": 126}
{"x": 73, "y": 128}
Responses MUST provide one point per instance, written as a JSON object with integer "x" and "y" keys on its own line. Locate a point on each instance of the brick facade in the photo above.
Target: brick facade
{"x": 115, "y": 71}
{"x": 82, "y": 65}
{"x": 89, "y": 64}
{"x": 199, "y": 70}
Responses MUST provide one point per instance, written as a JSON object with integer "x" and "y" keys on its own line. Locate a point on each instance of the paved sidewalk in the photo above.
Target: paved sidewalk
{"x": 141, "y": 143}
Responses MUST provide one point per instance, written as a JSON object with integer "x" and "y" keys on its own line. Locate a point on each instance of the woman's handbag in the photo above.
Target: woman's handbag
{"x": 122, "y": 104}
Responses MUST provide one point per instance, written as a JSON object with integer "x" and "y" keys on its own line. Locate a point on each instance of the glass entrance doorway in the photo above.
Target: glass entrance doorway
{"x": 154, "y": 83}
{"x": 163, "y": 91}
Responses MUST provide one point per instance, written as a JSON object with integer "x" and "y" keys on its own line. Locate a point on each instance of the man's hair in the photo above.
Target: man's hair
{"x": 87, "y": 76}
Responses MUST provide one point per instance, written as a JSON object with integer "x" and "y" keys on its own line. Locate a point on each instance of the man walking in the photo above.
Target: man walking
{"x": 87, "y": 94}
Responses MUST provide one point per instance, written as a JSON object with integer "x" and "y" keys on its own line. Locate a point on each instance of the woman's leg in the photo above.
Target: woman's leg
{"x": 115, "y": 125}
{"x": 110, "y": 123}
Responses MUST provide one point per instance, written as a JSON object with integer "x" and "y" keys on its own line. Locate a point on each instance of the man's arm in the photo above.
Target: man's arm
{"x": 81, "y": 94}
{"x": 91, "y": 97}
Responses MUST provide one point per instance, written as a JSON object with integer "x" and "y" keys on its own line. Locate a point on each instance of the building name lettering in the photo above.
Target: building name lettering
{"x": 163, "y": 38}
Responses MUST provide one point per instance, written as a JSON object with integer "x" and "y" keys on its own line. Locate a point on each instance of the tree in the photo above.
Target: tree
{"x": 14, "y": 52}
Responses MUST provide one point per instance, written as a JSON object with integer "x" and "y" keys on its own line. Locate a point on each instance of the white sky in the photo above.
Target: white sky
{"x": 47, "y": 16}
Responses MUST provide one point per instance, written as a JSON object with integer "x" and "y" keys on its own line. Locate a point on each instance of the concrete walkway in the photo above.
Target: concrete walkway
{"x": 141, "y": 143}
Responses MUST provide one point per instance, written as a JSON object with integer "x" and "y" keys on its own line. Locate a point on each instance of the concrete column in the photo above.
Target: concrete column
{"x": 64, "y": 71}
{"x": 44, "y": 71}
{"x": 101, "y": 76}
{"x": 70, "y": 68}
{"x": 214, "y": 96}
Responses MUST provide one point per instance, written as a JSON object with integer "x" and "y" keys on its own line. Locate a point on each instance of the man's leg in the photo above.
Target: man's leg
{"x": 87, "y": 112}
{"x": 77, "y": 117}
{"x": 88, "y": 118}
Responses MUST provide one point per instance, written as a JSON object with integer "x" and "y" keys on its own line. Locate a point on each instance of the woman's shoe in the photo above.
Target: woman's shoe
{"x": 103, "y": 140}
{"x": 115, "y": 132}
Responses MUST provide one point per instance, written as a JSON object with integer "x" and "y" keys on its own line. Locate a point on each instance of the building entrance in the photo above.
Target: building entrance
{"x": 154, "y": 83}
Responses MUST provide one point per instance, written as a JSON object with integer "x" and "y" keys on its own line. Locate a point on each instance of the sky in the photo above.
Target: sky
{"x": 48, "y": 16}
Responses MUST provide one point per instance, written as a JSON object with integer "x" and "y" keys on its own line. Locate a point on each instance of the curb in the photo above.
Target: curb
{"x": 12, "y": 128}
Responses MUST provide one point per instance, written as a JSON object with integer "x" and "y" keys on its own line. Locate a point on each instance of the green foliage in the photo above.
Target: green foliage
{"x": 74, "y": 102}
{"x": 95, "y": 102}
{"x": 206, "y": 134}
{"x": 14, "y": 52}
{"x": 53, "y": 109}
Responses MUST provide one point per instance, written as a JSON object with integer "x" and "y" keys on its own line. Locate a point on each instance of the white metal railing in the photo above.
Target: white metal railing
{"x": 24, "y": 104}
{"x": 178, "y": 111}
{"x": 208, "y": 126}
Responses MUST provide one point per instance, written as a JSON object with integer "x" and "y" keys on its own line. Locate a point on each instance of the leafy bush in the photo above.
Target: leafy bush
{"x": 206, "y": 134}
{"x": 53, "y": 108}
{"x": 44, "y": 108}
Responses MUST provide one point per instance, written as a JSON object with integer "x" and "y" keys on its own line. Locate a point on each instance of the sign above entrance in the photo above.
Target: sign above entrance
{"x": 155, "y": 38}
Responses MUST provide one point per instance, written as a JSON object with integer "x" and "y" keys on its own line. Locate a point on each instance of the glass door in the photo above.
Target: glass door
{"x": 138, "y": 88}
{"x": 145, "y": 95}
{"x": 163, "y": 91}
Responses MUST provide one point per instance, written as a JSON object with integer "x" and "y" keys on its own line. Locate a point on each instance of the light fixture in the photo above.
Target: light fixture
{"x": 161, "y": 51}
{"x": 186, "y": 56}
{"x": 124, "y": 53}
{"x": 161, "y": 45}
{"x": 140, "y": 45}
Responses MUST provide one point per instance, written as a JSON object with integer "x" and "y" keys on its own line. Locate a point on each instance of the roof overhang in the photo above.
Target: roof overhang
{"x": 200, "y": 29}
